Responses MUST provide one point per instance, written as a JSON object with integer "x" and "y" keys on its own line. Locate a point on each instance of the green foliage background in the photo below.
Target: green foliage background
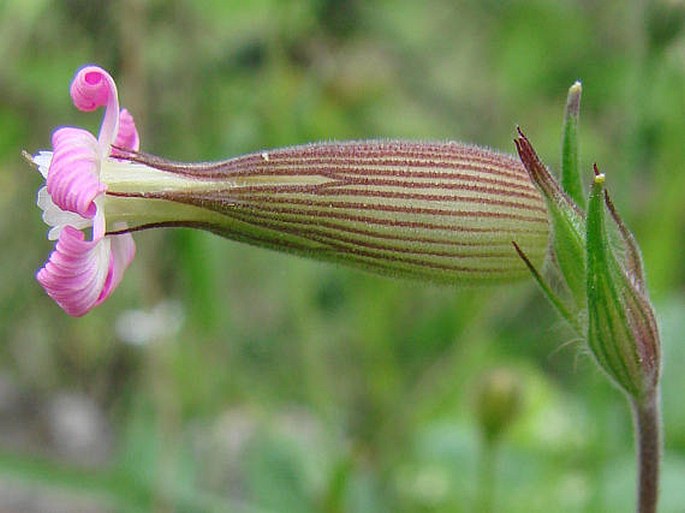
{"x": 276, "y": 384}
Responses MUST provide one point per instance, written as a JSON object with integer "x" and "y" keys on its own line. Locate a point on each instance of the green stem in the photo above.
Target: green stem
{"x": 648, "y": 434}
{"x": 486, "y": 476}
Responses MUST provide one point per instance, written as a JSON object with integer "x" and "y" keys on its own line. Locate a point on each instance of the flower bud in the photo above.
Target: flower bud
{"x": 622, "y": 330}
{"x": 498, "y": 402}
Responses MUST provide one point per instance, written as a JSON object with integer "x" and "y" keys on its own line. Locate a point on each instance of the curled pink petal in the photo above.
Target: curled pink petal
{"x": 73, "y": 181}
{"x": 76, "y": 272}
{"x": 91, "y": 88}
{"x": 123, "y": 249}
{"x": 127, "y": 136}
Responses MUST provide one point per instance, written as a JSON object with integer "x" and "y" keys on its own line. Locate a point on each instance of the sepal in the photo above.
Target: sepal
{"x": 570, "y": 171}
{"x": 568, "y": 223}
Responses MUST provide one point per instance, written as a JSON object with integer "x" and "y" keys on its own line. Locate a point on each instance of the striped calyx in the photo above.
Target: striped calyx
{"x": 445, "y": 211}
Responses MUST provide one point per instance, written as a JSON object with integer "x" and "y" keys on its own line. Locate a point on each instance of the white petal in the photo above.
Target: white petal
{"x": 42, "y": 159}
{"x": 56, "y": 218}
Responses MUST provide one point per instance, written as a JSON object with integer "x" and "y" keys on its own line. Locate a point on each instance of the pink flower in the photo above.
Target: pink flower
{"x": 437, "y": 211}
{"x": 80, "y": 273}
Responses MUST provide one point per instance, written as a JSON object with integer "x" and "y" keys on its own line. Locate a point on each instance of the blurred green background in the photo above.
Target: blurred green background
{"x": 225, "y": 378}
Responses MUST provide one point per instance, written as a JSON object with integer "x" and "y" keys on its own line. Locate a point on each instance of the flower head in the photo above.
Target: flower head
{"x": 436, "y": 211}
{"x": 80, "y": 274}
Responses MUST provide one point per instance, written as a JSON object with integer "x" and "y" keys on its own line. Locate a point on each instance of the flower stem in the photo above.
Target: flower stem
{"x": 648, "y": 433}
{"x": 486, "y": 476}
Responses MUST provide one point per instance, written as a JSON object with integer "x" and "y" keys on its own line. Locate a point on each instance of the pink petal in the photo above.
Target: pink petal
{"x": 91, "y": 88}
{"x": 123, "y": 249}
{"x": 127, "y": 137}
{"x": 76, "y": 272}
{"x": 73, "y": 181}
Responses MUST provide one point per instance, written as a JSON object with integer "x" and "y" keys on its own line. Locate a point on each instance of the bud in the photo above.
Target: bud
{"x": 622, "y": 330}
{"x": 608, "y": 290}
{"x": 498, "y": 402}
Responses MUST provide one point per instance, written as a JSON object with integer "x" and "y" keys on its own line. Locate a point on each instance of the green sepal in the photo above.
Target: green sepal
{"x": 567, "y": 220}
{"x": 622, "y": 330}
{"x": 558, "y": 303}
{"x": 570, "y": 170}
{"x": 632, "y": 259}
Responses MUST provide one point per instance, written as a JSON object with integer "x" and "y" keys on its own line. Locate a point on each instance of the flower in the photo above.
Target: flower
{"x": 80, "y": 274}
{"x": 437, "y": 211}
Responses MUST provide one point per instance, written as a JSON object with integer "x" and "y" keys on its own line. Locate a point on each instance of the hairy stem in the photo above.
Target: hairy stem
{"x": 648, "y": 434}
